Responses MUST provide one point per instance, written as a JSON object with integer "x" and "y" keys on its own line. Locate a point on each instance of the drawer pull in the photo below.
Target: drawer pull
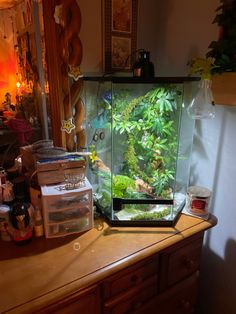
{"x": 189, "y": 263}
{"x": 186, "y": 305}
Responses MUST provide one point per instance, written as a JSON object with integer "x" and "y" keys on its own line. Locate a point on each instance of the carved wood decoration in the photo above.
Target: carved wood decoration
{"x": 51, "y": 35}
{"x": 68, "y": 15}
{"x": 62, "y": 23}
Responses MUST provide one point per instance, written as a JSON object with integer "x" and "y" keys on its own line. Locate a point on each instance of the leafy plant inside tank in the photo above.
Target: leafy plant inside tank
{"x": 147, "y": 126}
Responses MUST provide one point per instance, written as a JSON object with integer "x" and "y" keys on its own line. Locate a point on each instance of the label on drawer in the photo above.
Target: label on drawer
{"x": 58, "y": 189}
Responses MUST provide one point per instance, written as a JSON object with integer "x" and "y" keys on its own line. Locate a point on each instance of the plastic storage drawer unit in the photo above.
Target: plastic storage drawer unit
{"x": 67, "y": 211}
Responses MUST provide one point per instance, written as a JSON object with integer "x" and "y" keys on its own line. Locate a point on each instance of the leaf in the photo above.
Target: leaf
{"x": 168, "y": 105}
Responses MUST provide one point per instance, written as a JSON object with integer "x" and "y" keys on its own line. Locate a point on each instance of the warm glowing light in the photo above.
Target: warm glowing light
{"x": 8, "y": 66}
{"x": 46, "y": 87}
{"x": 18, "y": 85}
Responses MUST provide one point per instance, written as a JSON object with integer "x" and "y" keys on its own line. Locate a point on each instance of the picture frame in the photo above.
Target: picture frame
{"x": 120, "y": 34}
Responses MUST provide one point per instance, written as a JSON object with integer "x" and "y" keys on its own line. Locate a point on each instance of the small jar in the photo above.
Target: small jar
{"x": 4, "y": 222}
{"x": 198, "y": 199}
{"x": 7, "y": 193}
{"x": 3, "y": 176}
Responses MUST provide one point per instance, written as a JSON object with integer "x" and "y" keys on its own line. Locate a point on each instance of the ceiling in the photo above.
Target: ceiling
{"x": 6, "y": 4}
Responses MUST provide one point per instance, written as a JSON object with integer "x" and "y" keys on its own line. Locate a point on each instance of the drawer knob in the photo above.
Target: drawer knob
{"x": 189, "y": 263}
{"x": 186, "y": 305}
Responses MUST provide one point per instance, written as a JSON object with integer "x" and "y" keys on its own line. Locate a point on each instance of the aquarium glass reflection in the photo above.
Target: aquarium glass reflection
{"x": 140, "y": 139}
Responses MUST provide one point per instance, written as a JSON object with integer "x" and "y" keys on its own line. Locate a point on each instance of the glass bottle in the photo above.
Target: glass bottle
{"x": 202, "y": 106}
{"x": 38, "y": 223}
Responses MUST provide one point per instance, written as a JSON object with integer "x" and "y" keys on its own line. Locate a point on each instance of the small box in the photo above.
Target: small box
{"x": 67, "y": 211}
{"x": 28, "y": 159}
{"x": 54, "y": 171}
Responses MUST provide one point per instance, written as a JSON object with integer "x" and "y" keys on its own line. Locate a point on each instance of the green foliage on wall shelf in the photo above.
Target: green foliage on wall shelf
{"x": 223, "y": 50}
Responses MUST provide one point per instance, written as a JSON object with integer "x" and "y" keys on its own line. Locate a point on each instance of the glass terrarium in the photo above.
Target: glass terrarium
{"x": 140, "y": 139}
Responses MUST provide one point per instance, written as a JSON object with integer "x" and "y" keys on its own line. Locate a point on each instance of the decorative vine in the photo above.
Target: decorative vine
{"x": 131, "y": 106}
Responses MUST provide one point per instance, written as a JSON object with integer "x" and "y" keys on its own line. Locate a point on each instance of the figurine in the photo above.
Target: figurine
{"x": 21, "y": 217}
{"x": 7, "y": 104}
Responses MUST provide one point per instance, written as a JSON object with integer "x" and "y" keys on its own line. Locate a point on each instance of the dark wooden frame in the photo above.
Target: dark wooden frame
{"x": 52, "y": 32}
{"x": 120, "y": 39}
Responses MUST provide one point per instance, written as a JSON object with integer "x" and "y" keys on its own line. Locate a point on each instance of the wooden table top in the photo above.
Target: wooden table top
{"x": 46, "y": 270}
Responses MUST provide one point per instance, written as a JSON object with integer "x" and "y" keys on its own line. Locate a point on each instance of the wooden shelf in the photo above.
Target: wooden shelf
{"x": 224, "y": 88}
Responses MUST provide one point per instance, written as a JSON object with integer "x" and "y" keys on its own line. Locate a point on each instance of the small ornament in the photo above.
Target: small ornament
{"x": 93, "y": 157}
{"x": 67, "y": 125}
{"x": 74, "y": 72}
{"x": 21, "y": 218}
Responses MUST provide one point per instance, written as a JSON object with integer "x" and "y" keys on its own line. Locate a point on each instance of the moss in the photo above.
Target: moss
{"x": 152, "y": 216}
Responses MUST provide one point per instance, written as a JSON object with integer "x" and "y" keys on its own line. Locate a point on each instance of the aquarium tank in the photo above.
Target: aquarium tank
{"x": 139, "y": 136}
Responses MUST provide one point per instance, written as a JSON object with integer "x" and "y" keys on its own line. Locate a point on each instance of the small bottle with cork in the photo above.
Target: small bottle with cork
{"x": 38, "y": 222}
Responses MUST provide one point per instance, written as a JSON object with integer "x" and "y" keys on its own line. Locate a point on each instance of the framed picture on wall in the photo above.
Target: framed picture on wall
{"x": 120, "y": 36}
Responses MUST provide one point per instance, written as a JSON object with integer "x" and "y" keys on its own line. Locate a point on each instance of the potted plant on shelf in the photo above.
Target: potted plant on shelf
{"x": 219, "y": 64}
{"x": 223, "y": 52}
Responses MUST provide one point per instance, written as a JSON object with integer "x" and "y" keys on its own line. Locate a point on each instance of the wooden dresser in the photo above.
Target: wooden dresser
{"x": 106, "y": 270}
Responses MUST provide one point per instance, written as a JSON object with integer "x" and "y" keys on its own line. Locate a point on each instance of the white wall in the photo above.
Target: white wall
{"x": 91, "y": 35}
{"x": 182, "y": 25}
{"x": 175, "y": 31}
{"x": 217, "y": 170}
{"x": 171, "y": 30}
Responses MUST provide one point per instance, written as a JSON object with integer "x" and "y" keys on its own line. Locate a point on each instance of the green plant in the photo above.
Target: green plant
{"x": 122, "y": 187}
{"x": 152, "y": 216}
{"x": 149, "y": 126}
{"x": 223, "y": 50}
{"x": 202, "y": 66}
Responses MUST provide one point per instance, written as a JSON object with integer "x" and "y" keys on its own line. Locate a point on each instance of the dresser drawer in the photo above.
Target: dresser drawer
{"x": 68, "y": 227}
{"x": 68, "y": 214}
{"x": 178, "y": 299}
{"x": 67, "y": 200}
{"x": 87, "y": 302}
{"x": 132, "y": 299}
{"x": 180, "y": 262}
{"x": 130, "y": 277}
